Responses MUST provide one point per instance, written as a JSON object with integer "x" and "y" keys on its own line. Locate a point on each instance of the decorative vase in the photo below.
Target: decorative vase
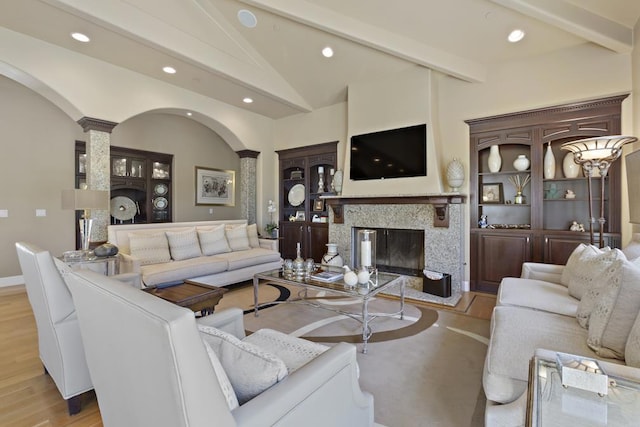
{"x": 549, "y": 165}
{"x": 332, "y": 257}
{"x": 455, "y": 174}
{"x": 495, "y": 160}
{"x": 519, "y": 199}
{"x": 569, "y": 167}
{"x": 521, "y": 163}
{"x": 337, "y": 181}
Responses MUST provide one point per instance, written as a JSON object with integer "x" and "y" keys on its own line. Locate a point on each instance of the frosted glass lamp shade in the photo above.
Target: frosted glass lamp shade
{"x": 601, "y": 148}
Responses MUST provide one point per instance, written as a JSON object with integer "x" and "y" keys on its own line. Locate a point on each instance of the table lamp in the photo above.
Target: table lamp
{"x": 597, "y": 153}
{"x": 84, "y": 200}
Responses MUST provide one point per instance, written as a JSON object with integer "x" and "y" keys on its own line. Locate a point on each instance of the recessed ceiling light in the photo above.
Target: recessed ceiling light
{"x": 327, "y": 52}
{"x": 169, "y": 70}
{"x": 189, "y": 113}
{"x": 247, "y": 100}
{"x": 81, "y": 37}
{"x": 247, "y": 18}
{"x": 515, "y": 36}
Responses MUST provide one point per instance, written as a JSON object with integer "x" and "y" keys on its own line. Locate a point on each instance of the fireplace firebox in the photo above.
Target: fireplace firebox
{"x": 399, "y": 251}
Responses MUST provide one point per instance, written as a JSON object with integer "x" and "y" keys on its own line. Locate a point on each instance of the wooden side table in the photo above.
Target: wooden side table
{"x": 195, "y": 296}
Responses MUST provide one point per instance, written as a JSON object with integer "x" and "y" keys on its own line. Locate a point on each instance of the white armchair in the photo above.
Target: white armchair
{"x": 59, "y": 340}
{"x": 150, "y": 367}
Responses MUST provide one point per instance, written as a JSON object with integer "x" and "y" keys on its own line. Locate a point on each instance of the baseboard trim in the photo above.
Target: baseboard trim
{"x": 11, "y": 281}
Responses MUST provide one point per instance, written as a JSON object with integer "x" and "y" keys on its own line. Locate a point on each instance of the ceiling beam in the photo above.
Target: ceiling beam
{"x": 374, "y": 37}
{"x": 576, "y": 20}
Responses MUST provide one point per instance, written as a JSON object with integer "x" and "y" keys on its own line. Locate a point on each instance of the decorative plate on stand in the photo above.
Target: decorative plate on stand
{"x": 123, "y": 208}
{"x": 296, "y": 195}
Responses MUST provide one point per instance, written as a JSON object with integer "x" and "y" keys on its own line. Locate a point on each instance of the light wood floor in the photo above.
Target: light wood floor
{"x": 28, "y": 397}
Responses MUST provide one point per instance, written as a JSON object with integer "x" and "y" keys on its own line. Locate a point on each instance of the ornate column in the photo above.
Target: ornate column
{"x": 98, "y": 168}
{"x": 248, "y": 184}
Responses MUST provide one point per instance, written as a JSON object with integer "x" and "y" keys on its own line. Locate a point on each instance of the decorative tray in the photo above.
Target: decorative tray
{"x": 510, "y": 226}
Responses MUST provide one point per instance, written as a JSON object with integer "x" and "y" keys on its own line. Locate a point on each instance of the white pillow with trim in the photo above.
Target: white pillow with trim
{"x": 615, "y": 313}
{"x": 183, "y": 244}
{"x": 250, "y": 369}
{"x": 252, "y": 234}
{"x": 149, "y": 248}
{"x": 213, "y": 241}
{"x": 238, "y": 238}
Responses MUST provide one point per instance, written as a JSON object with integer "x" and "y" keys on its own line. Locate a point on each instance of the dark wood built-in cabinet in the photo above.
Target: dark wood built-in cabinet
{"x": 141, "y": 190}
{"x": 300, "y": 200}
{"x": 537, "y": 229}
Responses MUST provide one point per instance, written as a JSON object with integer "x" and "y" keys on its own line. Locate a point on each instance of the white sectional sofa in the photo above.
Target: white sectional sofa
{"x": 588, "y": 307}
{"x": 216, "y": 253}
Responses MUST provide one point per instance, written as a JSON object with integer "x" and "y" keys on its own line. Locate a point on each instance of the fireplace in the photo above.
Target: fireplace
{"x": 442, "y": 248}
{"x": 398, "y": 251}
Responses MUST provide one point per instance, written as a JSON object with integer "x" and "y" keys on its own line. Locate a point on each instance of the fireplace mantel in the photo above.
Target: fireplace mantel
{"x": 440, "y": 203}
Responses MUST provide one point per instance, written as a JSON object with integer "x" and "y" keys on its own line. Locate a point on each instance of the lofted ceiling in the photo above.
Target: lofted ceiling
{"x": 278, "y": 62}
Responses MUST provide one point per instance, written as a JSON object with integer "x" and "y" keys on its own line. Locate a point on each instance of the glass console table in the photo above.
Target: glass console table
{"x": 107, "y": 266}
{"x": 550, "y": 404}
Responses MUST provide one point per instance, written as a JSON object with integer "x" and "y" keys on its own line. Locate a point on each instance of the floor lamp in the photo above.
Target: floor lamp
{"x": 84, "y": 200}
{"x": 597, "y": 153}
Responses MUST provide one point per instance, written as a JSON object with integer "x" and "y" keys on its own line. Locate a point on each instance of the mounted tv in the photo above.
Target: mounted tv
{"x": 394, "y": 153}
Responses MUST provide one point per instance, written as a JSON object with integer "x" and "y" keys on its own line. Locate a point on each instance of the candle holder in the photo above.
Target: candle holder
{"x": 320, "y": 179}
{"x": 366, "y": 262}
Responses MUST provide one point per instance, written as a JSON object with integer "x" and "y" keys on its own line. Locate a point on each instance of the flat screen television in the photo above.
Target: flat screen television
{"x": 394, "y": 153}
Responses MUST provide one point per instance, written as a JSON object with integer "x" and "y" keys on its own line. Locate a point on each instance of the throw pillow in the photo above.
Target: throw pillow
{"x": 592, "y": 261}
{"x": 295, "y": 352}
{"x": 184, "y": 244}
{"x": 252, "y": 233}
{"x": 238, "y": 238}
{"x": 223, "y": 379}
{"x": 632, "y": 349}
{"x": 250, "y": 369}
{"x": 600, "y": 283}
{"x": 570, "y": 266}
{"x": 615, "y": 313}
{"x": 213, "y": 241}
{"x": 149, "y": 248}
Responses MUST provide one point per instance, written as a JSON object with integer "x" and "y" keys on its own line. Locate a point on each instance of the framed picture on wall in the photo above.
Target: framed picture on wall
{"x": 215, "y": 186}
{"x": 492, "y": 193}
{"x": 318, "y": 205}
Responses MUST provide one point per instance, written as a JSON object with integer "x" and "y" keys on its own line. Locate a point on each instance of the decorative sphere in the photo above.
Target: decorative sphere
{"x": 363, "y": 277}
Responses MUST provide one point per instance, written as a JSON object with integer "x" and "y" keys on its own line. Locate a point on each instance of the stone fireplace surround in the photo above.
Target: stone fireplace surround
{"x": 443, "y": 246}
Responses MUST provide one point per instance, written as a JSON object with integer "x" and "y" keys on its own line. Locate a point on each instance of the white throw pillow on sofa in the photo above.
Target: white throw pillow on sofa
{"x": 149, "y": 248}
{"x": 213, "y": 241}
{"x": 592, "y": 261}
{"x": 184, "y": 244}
{"x": 252, "y": 234}
{"x": 250, "y": 369}
{"x": 570, "y": 266}
{"x": 615, "y": 313}
{"x": 600, "y": 283}
{"x": 238, "y": 238}
{"x": 632, "y": 348}
{"x": 223, "y": 379}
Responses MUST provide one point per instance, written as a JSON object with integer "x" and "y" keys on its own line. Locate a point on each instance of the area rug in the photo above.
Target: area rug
{"x": 425, "y": 370}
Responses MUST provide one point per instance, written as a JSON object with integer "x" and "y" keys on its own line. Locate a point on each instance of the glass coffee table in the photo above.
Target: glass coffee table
{"x": 362, "y": 292}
